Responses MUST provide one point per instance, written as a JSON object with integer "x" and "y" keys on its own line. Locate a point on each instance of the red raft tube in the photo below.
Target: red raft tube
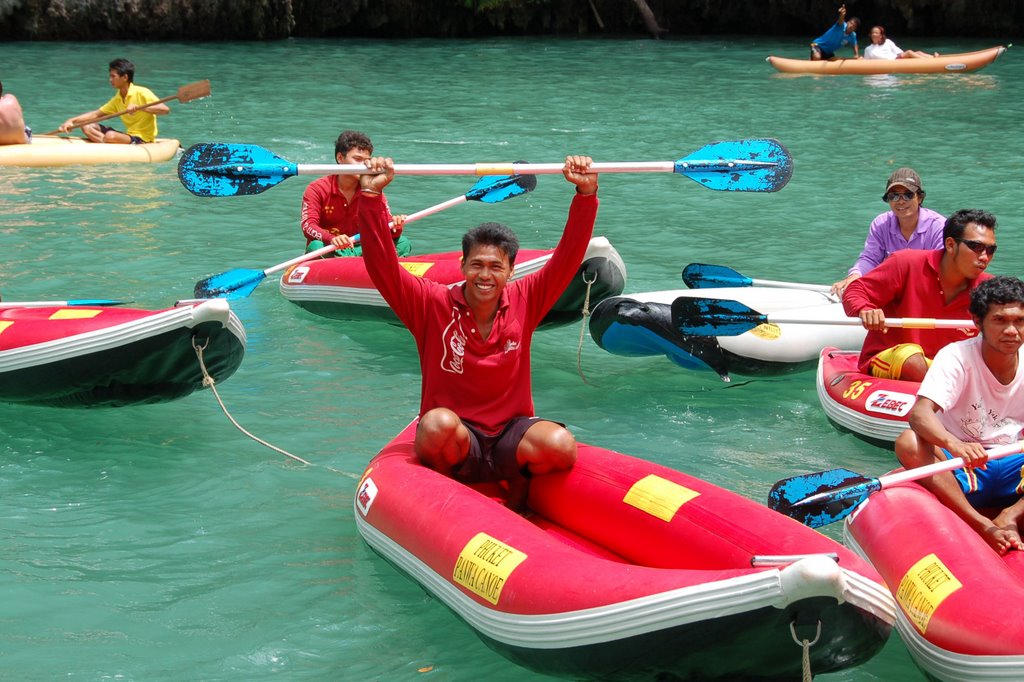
{"x": 624, "y": 569}
{"x": 340, "y": 288}
{"x": 101, "y": 356}
{"x": 873, "y": 409}
{"x": 957, "y": 598}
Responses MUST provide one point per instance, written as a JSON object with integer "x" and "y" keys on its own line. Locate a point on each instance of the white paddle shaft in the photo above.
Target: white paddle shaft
{"x": 950, "y": 464}
{"x": 905, "y": 322}
{"x": 323, "y": 251}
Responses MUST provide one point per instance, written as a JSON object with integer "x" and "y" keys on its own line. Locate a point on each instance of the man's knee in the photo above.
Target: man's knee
{"x": 441, "y": 440}
{"x": 562, "y": 449}
{"x": 551, "y": 448}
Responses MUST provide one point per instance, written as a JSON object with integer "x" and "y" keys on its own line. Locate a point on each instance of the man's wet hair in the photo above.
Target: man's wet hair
{"x": 352, "y": 139}
{"x": 957, "y": 222}
{"x": 491, "y": 234}
{"x": 999, "y": 290}
{"x": 123, "y": 67}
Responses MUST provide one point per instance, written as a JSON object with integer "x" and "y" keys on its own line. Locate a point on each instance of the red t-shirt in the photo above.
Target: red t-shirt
{"x": 326, "y": 213}
{"x": 906, "y": 284}
{"x": 484, "y": 381}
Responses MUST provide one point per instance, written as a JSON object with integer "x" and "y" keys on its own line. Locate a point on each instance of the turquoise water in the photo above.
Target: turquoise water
{"x": 159, "y": 543}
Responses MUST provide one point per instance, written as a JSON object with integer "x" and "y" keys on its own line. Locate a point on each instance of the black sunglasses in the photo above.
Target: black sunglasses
{"x": 893, "y": 196}
{"x": 978, "y": 247}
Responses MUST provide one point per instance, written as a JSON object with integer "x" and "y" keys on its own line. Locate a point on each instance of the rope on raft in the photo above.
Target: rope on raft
{"x": 806, "y": 646}
{"x": 210, "y": 382}
{"x": 583, "y": 325}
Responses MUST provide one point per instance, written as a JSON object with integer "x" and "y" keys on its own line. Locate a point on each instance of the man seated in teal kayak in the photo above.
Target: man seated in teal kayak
{"x": 972, "y": 397}
{"x": 840, "y": 34}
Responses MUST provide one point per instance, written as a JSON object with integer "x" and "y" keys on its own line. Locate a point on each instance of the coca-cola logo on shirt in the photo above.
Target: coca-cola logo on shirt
{"x": 454, "y": 342}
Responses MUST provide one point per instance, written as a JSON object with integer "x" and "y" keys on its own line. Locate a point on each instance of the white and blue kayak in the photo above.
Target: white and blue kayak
{"x": 642, "y": 325}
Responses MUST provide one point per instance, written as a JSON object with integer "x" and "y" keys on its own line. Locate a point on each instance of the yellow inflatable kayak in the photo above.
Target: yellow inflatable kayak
{"x": 947, "y": 63}
{"x": 65, "y": 151}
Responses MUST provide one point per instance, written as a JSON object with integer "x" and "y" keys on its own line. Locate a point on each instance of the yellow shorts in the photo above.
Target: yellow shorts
{"x": 889, "y": 363}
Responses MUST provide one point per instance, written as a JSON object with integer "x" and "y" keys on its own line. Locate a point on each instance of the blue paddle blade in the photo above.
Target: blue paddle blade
{"x": 755, "y": 165}
{"x": 713, "y": 317}
{"x": 237, "y": 283}
{"x": 701, "y": 276}
{"x": 213, "y": 169}
{"x": 838, "y": 492}
{"x": 491, "y": 189}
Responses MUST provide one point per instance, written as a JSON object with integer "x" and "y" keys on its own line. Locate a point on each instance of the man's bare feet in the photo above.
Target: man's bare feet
{"x": 1003, "y": 537}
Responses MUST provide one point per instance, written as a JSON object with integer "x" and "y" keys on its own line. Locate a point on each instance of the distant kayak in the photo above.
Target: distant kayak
{"x": 66, "y": 151}
{"x": 947, "y": 63}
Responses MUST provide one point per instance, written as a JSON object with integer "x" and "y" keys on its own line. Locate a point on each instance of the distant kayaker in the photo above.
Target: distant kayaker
{"x": 840, "y": 34}
{"x": 906, "y": 225}
{"x": 882, "y": 47}
{"x": 929, "y": 284}
{"x": 328, "y": 204}
{"x": 477, "y": 420}
{"x": 130, "y": 98}
{"x": 12, "y": 122}
{"x": 972, "y": 397}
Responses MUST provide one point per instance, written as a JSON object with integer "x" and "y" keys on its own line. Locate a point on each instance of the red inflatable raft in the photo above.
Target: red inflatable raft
{"x": 625, "y": 569}
{"x": 874, "y": 409}
{"x": 341, "y": 288}
{"x": 957, "y": 597}
{"x": 93, "y": 356}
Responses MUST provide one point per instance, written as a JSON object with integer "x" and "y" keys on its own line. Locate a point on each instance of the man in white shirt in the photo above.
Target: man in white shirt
{"x": 973, "y": 396}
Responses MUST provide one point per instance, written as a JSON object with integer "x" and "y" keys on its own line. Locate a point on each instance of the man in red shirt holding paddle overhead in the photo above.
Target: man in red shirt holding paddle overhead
{"x": 922, "y": 284}
{"x": 477, "y": 419}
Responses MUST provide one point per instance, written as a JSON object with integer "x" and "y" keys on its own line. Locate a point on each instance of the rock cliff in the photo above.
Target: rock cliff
{"x": 276, "y": 19}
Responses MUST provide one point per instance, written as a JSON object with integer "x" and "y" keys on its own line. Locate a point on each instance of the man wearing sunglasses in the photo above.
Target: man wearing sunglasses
{"x": 906, "y": 225}
{"x": 929, "y": 284}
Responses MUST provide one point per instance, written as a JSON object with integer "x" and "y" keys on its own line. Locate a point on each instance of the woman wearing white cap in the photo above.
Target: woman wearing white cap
{"x": 906, "y": 225}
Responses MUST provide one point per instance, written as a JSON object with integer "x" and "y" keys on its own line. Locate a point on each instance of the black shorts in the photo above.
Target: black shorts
{"x": 493, "y": 458}
{"x": 135, "y": 138}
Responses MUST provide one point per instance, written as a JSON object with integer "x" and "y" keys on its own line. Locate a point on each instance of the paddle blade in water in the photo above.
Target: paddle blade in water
{"x": 713, "y": 317}
{"x": 213, "y": 169}
{"x": 237, "y": 283}
{"x": 702, "y": 276}
{"x": 492, "y": 189}
{"x": 755, "y": 165}
{"x": 841, "y": 489}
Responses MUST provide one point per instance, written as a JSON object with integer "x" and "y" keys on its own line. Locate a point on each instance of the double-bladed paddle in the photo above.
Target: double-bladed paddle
{"x": 215, "y": 169}
{"x": 186, "y": 93}
{"x": 239, "y": 283}
{"x": 78, "y": 302}
{"x": 724, "y": 317}
{"x": 703, "y": 276}
{"x": 828, "y": 496}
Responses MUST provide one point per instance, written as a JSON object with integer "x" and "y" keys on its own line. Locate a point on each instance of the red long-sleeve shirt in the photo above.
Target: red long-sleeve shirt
{"x": 484, "y": 381}
{"x": 326, "y": 213}
{"x": 907, "y": 284}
